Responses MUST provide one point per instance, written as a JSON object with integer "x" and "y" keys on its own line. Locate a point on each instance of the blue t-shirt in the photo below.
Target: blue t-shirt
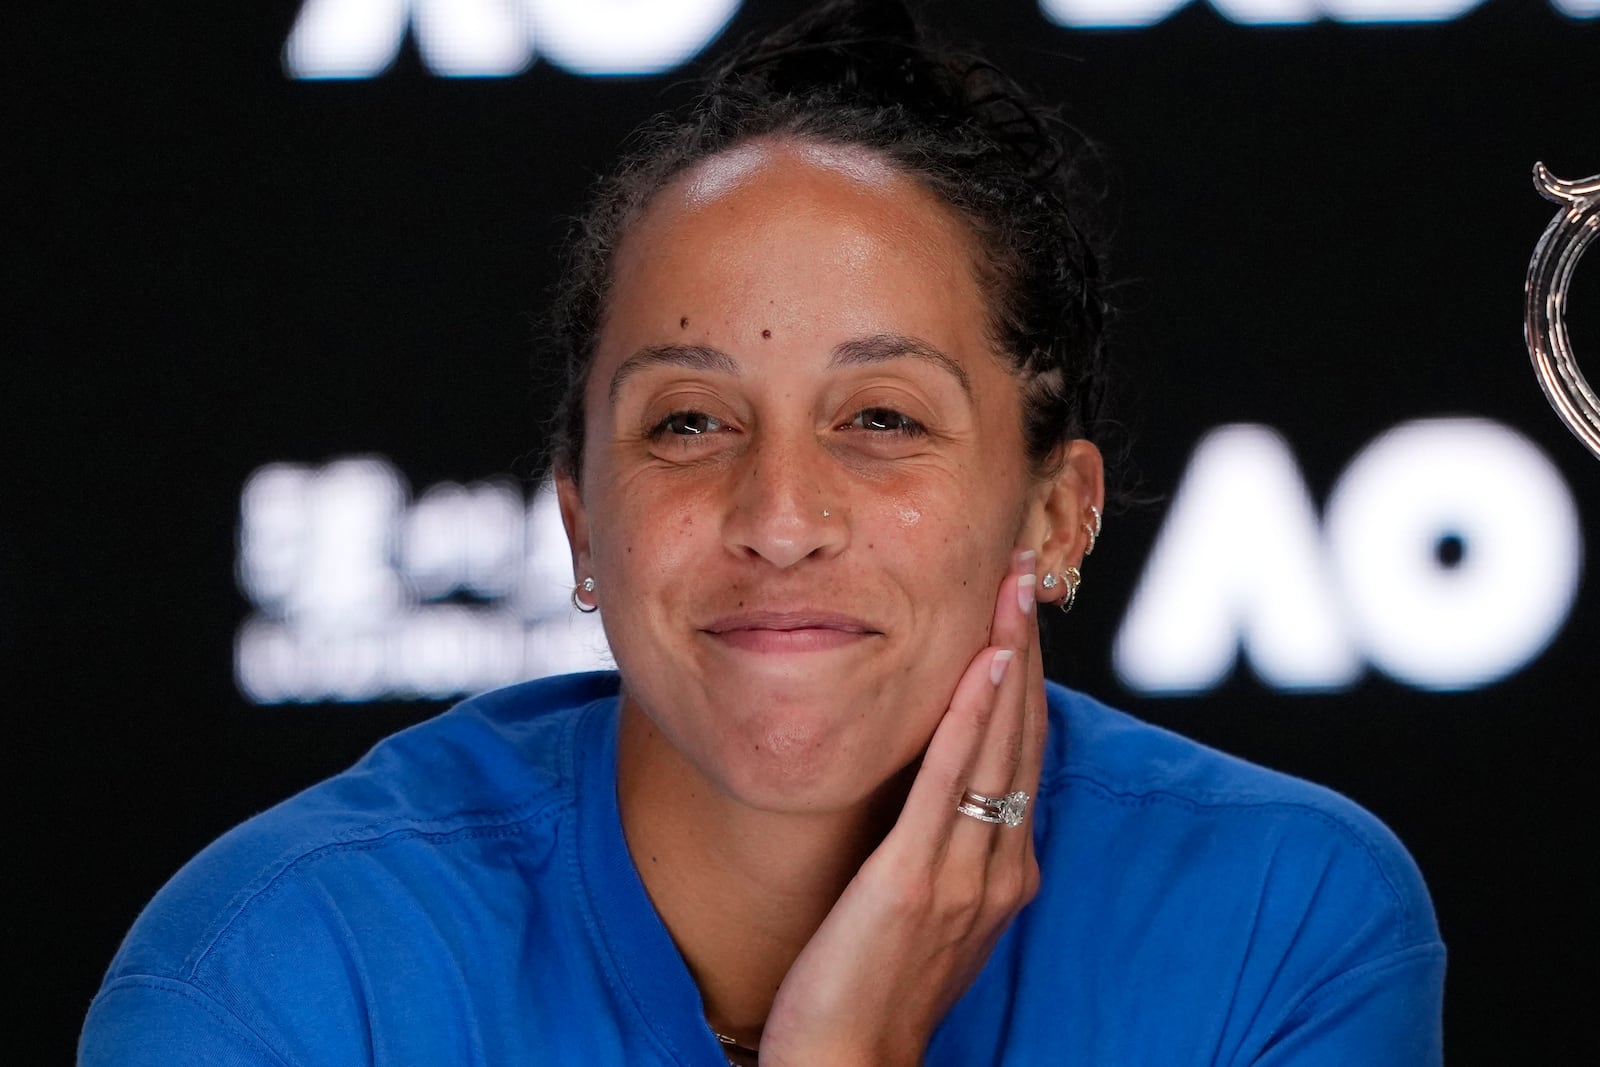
{"x": 464, "y": 895}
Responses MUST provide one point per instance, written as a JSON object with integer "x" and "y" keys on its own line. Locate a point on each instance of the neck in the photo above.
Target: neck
{"x": 740, "y": 890}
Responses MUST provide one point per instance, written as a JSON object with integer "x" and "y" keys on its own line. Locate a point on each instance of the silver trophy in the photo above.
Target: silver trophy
{"x": 1544, "y": 325}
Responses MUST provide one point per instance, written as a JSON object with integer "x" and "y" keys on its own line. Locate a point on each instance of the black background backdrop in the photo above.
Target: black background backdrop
{"x": 1324, "y": 228}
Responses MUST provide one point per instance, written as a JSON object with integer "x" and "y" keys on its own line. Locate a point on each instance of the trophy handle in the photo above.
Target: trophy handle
{"x": 1544, "y": 323}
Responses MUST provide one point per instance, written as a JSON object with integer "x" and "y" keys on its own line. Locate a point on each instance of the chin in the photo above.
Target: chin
{"x": 800, "y": 762}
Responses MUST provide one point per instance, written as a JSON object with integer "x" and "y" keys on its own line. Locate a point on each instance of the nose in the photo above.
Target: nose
{"x": 784, "y": 506}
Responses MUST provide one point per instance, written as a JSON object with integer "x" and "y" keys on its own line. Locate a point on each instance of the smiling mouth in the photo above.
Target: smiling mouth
{"x": 801, "y": 631}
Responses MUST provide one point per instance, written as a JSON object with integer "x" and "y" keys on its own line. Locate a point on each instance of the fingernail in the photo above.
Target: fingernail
{"x": 998, "y": 665}
{"x": 1025, "y": 592}
{"x": 1023, "y": 563}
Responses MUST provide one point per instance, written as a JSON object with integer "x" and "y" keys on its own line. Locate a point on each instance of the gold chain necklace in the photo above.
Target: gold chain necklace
{"x": 738, "y": 1055}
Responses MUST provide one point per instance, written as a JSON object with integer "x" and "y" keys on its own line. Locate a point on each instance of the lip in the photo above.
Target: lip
{"x": 802, "y": 630}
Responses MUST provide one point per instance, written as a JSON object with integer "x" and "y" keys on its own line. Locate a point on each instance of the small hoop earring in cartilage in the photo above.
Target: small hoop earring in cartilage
{"x": 587, "y": 585}
{"x": 1074, "y": 578}
{"x": 1092, "y": 531}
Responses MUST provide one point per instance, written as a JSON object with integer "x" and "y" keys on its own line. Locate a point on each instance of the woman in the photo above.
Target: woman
{"x": 835, "y": 366}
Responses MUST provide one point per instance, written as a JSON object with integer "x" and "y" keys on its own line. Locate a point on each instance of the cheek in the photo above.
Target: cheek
{"x": 952, "y": 549}
{"x": 637, "y": 534}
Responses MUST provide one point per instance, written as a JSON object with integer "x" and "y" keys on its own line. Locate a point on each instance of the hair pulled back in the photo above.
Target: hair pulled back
{"x": 862, "y": 73}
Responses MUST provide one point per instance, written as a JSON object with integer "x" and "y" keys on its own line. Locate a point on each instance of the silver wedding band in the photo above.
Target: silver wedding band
{"x": 1008, "y": 810}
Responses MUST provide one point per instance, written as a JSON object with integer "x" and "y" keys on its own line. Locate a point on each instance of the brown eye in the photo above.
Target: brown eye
{"x": 885, "y": 420}
{"x": 687, "y": 424}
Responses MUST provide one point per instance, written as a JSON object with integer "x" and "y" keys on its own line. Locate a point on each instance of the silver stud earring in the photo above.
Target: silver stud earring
{"x": 1049, "y": 581}
{"x": 587, "y": 586}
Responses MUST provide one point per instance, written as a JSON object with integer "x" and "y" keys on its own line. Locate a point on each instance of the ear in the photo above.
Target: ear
{"x": 1079, "y": 484}
{"x": 576, "y": 521}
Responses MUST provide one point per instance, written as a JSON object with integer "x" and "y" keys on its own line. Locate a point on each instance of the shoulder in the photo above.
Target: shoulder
{"x": 497, "y": 765}
{"x": 1230, "y": 824}
{"x": 1190, "y": 900}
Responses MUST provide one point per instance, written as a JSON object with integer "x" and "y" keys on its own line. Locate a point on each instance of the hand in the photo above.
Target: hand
{"x": 917, "y": 923}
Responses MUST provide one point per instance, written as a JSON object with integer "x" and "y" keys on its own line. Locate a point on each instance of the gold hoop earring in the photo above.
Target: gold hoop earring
{"x": 1074, "y": 578}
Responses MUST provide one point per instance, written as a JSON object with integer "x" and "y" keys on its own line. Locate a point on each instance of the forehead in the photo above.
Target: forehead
{"x": 801, "y": 228}
{"x": 745, "y": 165}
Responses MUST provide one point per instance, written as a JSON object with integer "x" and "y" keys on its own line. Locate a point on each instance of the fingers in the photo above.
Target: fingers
{"x": 930, "y": 808}
{"x": 1036, "y": 721}
{"x": 999, "y": 752}
{"x": 980, "y": 742}
{"x": 997, "y": 766}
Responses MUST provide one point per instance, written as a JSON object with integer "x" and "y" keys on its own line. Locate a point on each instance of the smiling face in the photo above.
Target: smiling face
{"x": 803, "y": 474}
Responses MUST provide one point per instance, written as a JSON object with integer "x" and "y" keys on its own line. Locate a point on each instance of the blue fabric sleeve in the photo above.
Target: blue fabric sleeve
{"x": 1385, "y": 1013}
{"x": 148, "y": 1021}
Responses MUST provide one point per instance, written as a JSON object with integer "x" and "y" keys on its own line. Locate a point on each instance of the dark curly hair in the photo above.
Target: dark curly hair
{"x": 863, "y": 73}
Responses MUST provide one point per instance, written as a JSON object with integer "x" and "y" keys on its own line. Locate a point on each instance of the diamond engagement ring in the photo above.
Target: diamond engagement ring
{"x": 1008, "y": 810}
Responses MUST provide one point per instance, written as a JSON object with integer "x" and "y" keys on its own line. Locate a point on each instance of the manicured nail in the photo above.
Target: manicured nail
{"x": 1023, "y": 563}
{"x": 998, "y": 665}
{"x": 1025, "y": 592}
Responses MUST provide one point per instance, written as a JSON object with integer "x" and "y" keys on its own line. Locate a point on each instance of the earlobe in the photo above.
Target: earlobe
{"x": 576, "y": 522}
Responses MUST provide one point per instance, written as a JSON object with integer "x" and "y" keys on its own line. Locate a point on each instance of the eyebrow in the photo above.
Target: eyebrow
{"x": 860, "y": 351}
{"x": 692, "y": 357}
{"x": 882, "y": 347}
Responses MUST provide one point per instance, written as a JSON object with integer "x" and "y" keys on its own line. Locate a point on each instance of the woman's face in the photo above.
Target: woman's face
{"x": 803, "y": 473}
